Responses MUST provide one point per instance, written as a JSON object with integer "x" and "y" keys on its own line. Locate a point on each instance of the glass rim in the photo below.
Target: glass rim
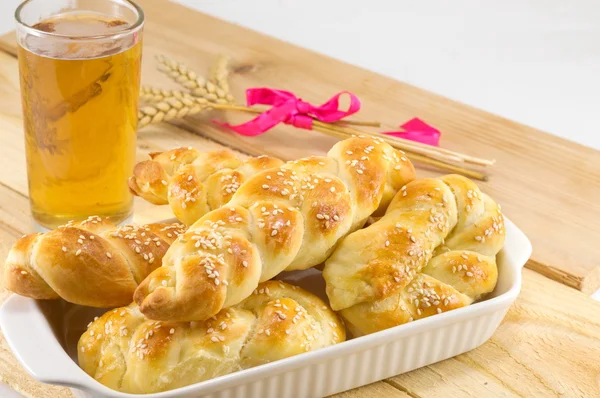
{"x": 31, "y": 30}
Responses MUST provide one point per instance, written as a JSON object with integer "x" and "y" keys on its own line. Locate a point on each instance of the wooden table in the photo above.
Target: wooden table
{"x": 548, "y": 344}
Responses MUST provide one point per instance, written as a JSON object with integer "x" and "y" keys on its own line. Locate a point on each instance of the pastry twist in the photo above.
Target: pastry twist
{"x": 288, "y": 218}
{"x": 194, "y": 182}
{"x": 91, "y": 263}
{"x": 126, "y": 352}
{"x": 433, "y": 251}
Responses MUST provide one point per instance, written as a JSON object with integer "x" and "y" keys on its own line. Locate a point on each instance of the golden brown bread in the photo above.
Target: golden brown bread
{"x": 194, "y": 182}
{"x": 433, "y": 251}
{"x": 289, "y": 218}
{"x": 126, "y": 352}
{"x": 91, "y": 263}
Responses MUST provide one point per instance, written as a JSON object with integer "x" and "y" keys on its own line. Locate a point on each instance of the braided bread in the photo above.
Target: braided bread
{"x": 288, "y": 218}
{"x": 126, "y": 352}
{"x": 193, "y": 182}
{"x": 90, "y": 263}
{"x": 433, "y": 251}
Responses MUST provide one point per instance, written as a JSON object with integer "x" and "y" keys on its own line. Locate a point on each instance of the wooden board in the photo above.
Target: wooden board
{"x": 548, "y": 344}
{"x": 547, "y": 185}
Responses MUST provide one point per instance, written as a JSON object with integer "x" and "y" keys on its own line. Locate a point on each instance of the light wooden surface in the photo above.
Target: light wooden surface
{"x": 547, "y": 185}
{"x": 548, "y": 344}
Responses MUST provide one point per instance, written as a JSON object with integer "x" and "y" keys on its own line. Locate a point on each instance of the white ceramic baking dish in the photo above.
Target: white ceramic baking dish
{"x": 43, "y": 336}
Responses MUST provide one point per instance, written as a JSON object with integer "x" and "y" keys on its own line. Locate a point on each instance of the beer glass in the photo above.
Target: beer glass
{"x": 79, "y": 64}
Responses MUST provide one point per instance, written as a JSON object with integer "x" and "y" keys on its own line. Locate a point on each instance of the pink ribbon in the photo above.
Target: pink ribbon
{"x": 417, "y": 130}
{"x": 289, "y": 109}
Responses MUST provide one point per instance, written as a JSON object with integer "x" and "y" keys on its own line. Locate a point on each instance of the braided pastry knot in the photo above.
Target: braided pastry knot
{"x": 194, "y": 182}
{"x": 91, "y": 263}
{"x": 433, "y": 251}
{"x": 127, "y": 352}
{"x": 288, "y": 218}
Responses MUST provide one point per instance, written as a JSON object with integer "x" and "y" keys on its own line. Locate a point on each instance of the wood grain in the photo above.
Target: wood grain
{"x": 547, "y": 185}
{"x": 545, "y": 347}
{"x": 380, "y": 389}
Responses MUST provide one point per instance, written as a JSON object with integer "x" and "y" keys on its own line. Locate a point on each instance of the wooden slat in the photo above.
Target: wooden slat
{"x": 547, "y": 185}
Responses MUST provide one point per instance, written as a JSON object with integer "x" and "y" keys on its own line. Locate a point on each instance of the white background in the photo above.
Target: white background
{"x": 533, "y": 61}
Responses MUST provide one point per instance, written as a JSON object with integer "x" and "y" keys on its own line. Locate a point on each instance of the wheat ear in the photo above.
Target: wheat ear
{"x": 152, "y": 94}
{"x": 219, "y": 75}
{"x": 198, "y": 85}
{"x": 171, "y": 108}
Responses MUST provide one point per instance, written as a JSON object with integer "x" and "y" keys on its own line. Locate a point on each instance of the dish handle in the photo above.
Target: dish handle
{"x": 27, "y": 333}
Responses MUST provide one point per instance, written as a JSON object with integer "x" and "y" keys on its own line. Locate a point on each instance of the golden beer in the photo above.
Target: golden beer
{"x": 80, "y": 101}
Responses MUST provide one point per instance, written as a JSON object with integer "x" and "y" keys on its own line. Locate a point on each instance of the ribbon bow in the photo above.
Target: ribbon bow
{"x": 289, "y": 109}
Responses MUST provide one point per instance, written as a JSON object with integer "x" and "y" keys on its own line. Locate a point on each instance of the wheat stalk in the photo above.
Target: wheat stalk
{"x": 153, "y": 94}
{"x": 198, "y": 85}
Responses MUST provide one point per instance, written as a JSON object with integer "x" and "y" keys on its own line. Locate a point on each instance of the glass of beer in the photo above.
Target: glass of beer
{"x": 79, "y": 64}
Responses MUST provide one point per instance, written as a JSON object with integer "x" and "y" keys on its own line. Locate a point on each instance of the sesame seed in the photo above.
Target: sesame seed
{"x": 79, "y": 241}
{"x": 359, "y": 171}
{"x": 265, "y": 186}
{"x": 171, "y": 331}
{"x": 64, "y": 249}
{"x": 245, "y": 263}
{"x": 439, "y": 310}
{"x": 274, "y": 232}
{"x": 413, "y": 239}
{"x": 78, "y": 252}
{"x": 24, "y": 272}
{"x": 398, "y": 167}
{"x": 108, "y": 255}
{"x": 387, "y": 243}
{"x": 469, "y": 274}
{"x": 163, "y": 182}
{"x": 214, "y": 339}
{"x": 190, "y": 178}
{"x": 332, "y": 189}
